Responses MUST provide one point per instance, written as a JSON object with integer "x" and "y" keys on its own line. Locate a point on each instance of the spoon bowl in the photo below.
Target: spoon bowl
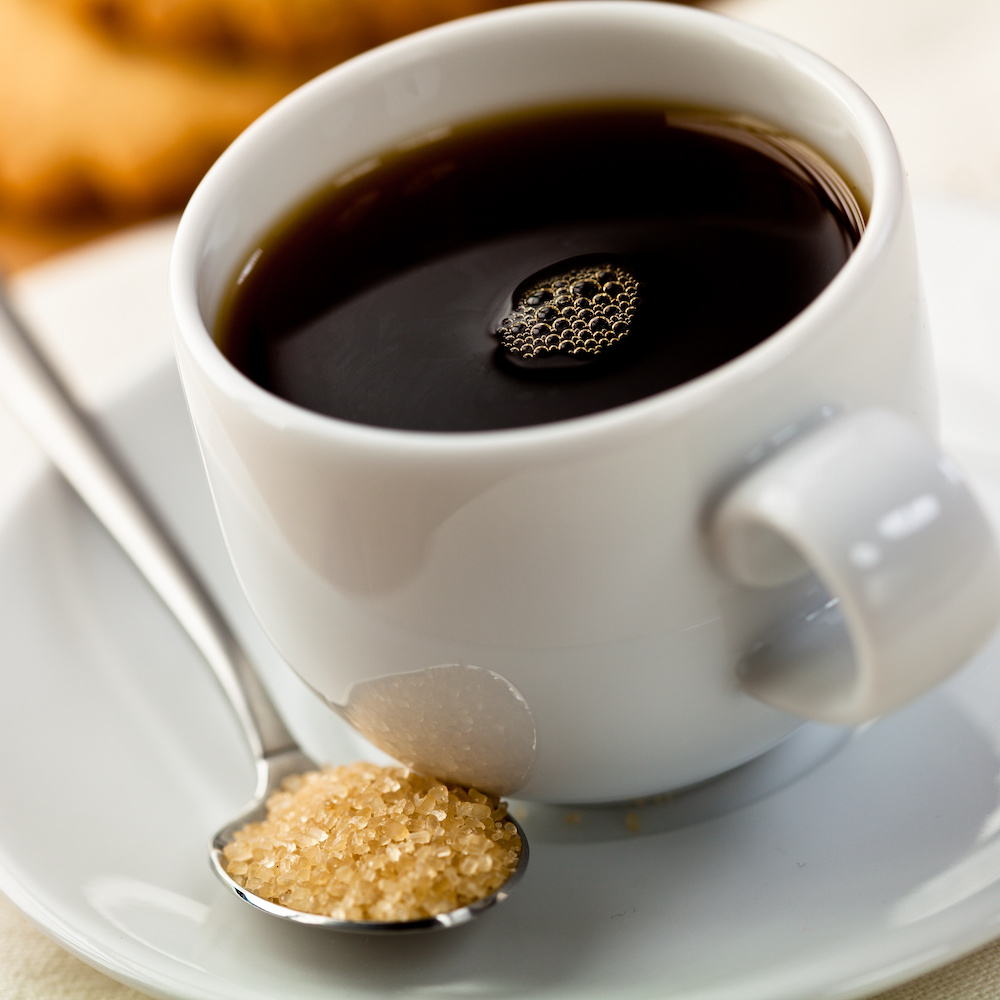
{"x": 37, "y": 396}
{"x": 271, "y": 773}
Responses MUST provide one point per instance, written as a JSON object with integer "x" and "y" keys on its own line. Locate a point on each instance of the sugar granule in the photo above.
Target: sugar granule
{"x": 363, "y": 842}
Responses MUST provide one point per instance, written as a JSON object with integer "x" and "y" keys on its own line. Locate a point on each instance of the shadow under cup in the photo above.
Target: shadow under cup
{"x": 537, "y": 610}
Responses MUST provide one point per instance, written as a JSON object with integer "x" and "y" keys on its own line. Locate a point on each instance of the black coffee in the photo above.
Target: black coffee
{"x": 539, "y": 267}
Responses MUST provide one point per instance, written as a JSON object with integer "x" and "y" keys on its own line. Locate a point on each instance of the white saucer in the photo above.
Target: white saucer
{"x": 835, "y": 867}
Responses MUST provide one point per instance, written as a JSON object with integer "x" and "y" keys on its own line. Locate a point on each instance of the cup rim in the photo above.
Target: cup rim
{"x": 886, "y": 213}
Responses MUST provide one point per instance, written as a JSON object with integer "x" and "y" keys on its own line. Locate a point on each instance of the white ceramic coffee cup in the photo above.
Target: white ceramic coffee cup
{"x": 634, "y": 600}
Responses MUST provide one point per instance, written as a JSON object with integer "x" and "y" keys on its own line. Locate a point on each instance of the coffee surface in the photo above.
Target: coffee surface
{"x": 539, "y": 267}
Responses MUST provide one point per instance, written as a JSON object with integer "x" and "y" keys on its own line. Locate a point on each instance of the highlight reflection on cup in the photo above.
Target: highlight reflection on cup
{"x": 463, "y": 724}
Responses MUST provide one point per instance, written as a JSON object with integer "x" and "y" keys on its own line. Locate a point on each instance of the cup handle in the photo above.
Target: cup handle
{"x": 887, "y": 524}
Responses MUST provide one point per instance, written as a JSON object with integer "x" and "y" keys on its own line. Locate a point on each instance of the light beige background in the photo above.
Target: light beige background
{"x": 933, "y": 67}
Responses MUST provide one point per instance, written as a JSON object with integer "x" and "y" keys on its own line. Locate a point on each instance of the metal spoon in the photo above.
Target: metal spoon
{"x": 37, "y": 396}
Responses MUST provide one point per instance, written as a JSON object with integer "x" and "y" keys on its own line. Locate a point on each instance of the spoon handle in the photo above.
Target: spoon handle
{"x": 40, "y": 400}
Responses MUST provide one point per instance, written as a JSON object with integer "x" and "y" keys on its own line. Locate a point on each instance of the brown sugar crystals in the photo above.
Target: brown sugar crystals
{"x": 363, "y": 842}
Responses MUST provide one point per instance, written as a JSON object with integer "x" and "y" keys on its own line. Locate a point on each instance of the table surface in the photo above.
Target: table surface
{"x": 933, "y": 70}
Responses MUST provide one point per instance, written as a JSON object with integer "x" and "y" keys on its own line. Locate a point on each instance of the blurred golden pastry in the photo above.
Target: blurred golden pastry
{"x": 86, "y": 123}
{"x": 117, "y": 107}
{"x": 323, "y": 30}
